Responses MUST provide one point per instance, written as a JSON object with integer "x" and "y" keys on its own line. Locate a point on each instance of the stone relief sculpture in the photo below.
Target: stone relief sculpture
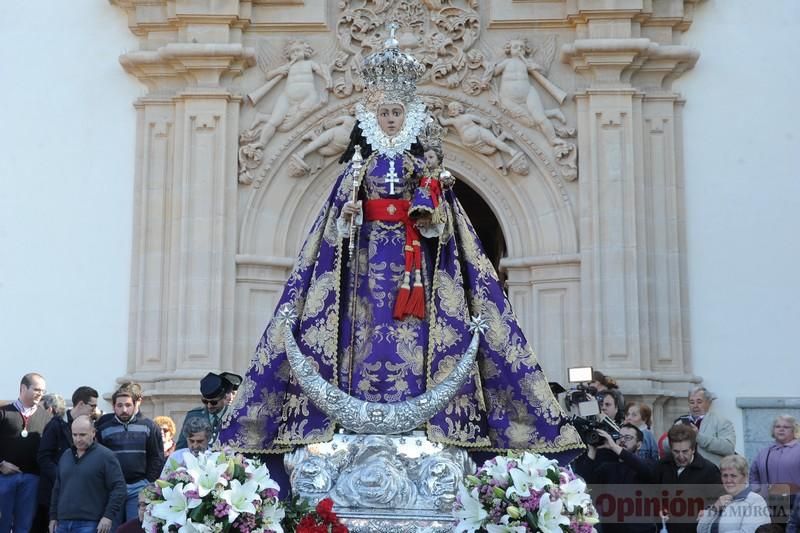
{"x": 300, "y": 96}
{"x": 476, "y": 134}
{"x": 329, "y": 139}
{"x": 445, "y": 35}
{"x": 440, "y": 34}
{"x": 518, "y": 97}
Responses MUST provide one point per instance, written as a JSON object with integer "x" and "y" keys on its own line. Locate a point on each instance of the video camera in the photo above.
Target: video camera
{"x": 583, "y": 399}
{"x": 587, "y": 429}
{"x": 581, "y": 395}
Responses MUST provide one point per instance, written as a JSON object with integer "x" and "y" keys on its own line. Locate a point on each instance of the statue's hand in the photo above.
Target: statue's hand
{"x": 351, "y": 209}
{"x": 423, "y": 221}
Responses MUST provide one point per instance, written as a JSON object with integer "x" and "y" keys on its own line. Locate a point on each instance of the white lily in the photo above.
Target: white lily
{"x": 194, "y": 527}
{"x": 503, "y": 527}
{"x": 212, "y": 457}
{"x": 261, "y": 476}
{"x": 550, "y": 517}
{"x": 205, "y": 473}
{"x": 574, "y": 494}
{"x": 240, "y": 498}
{"x": 524, "y": 481}
{"x": 534, "y": 462}
{"x": 472, "y": 514}
{"x": 499, "y": 470}
{"x": 175, "y": 506}
{"x": 149, "y": 522}
{"x": 272, "y": 516}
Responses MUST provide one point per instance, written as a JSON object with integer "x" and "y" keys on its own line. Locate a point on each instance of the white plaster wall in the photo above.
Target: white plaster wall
{"x": 742, "y": 197}
{"x": 67, "y": 130}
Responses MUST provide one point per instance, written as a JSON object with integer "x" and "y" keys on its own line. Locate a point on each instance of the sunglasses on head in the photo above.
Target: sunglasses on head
{"x": 206, "y": 401}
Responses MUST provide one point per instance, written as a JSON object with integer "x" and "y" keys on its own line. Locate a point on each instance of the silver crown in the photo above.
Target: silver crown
{"x": 432, "y": 133}
{"x": 390, "y": 75}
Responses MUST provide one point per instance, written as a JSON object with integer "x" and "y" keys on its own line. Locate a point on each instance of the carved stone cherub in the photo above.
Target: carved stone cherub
{"x": 299, "y": 97}
{"x": 330, "y": 140}
{"x": 519, "y": 97}
{"x": 475, "y": 134}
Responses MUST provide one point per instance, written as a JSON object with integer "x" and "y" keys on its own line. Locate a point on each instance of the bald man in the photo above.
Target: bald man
{"x": 90, "y": 489}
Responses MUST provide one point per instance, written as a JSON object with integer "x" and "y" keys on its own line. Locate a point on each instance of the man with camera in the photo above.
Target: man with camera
{"x": 615, "y": 462}
{"x": 716, "y": 436}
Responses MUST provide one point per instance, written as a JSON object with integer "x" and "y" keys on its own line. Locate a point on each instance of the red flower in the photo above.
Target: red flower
{"x": 321, "y": 520}
{"x": 325, "y": 511}
{"x": 325, "y": 506}
{"x": 307, "y": 524}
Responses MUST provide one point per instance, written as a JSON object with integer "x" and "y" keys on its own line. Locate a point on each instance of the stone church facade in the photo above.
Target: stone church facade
{"x": 558, "y": 114}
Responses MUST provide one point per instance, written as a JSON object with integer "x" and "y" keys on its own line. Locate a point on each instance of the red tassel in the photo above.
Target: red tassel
{"x": 416, "y": 302}
{"x": 401, "y": 303}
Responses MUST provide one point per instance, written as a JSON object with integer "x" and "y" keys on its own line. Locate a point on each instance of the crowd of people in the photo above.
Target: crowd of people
{"x": 77, "y": 470}
{"x": 692, "y": 472}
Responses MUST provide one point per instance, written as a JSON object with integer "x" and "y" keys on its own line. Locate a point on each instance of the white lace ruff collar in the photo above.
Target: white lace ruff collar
{"x": 391, "y": 146}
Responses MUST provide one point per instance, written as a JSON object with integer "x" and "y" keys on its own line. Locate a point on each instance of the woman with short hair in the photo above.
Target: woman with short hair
{"x": 739, "y": 510}
{"x": 778, "y": 463}
{"x": 640, "y": 415}
{"x": 167, "y": 433}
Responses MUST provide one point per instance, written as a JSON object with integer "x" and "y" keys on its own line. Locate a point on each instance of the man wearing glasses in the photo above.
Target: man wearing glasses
{"x": 213, "y": 388}
{"x": 21, "y": 425}
{"x": 56, "y": 438}
{"x": 613, "y": 464}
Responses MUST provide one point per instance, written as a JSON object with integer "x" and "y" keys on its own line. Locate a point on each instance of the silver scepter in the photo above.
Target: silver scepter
{"x": 357, "y": 161}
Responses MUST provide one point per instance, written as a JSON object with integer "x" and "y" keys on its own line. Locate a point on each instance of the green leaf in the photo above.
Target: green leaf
{"x": 530, "y": 518}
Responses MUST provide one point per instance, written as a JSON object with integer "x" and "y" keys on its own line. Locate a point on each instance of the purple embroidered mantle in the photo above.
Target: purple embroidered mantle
{"x": 358, "y": 345}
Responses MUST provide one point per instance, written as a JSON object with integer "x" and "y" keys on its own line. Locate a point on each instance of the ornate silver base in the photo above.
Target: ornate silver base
{"x": 381, "y": 483}
{"x": 386, "y": 522}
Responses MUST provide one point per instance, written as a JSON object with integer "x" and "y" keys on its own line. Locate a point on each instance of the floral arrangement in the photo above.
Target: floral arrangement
{"x": 212, "y": 493}
{"x": 522, "y": 493}
{"x": 302, "y": 518}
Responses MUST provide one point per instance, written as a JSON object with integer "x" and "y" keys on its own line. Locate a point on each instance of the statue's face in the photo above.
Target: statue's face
{"x": 391, "y": 118}
{"x": 297, "y": 52}
{"x": 454, "y": 109}
{"x": 431, "y": 158}
{"x": 517, "y": 48}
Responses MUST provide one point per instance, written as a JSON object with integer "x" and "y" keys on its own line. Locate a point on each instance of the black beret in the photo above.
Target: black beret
{"x": 234, "y": 380}
{"x": 213, "y": 386}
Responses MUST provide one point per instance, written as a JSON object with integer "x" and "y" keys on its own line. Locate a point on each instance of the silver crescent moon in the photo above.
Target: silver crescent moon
{"x": 360, "y": 416}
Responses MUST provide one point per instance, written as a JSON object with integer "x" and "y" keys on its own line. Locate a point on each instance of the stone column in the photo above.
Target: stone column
{"x": 183, "y": 265}
{"x": 545, "y": 294}
{"x": 632, "y": 280}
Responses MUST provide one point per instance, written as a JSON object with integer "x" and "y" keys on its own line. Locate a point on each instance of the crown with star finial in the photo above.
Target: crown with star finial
{"x": 431, "y": 134}
{"x": 390, "y": 75}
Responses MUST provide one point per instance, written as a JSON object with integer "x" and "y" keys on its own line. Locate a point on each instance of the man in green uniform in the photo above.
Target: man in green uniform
{"x": 213, "y": 388}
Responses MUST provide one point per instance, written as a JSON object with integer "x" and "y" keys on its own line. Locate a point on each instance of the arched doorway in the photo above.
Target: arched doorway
{"x": 485, "y": 222}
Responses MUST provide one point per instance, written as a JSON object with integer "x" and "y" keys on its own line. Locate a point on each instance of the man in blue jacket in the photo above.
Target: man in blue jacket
{"x": 89, "y": 490}
{"x": 136, "y": 441}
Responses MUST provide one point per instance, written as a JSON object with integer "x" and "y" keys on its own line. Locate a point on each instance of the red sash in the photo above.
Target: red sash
{"x": 409, "y": 301}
